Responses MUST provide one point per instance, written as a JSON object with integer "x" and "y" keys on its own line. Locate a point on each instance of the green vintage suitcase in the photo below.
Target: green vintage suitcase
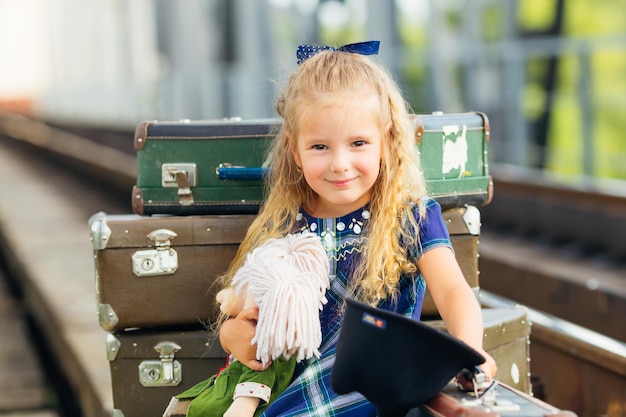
{"x": 217, "y": 167}
{"x": 454, "y": 157}
{"x": 181, "y": 166}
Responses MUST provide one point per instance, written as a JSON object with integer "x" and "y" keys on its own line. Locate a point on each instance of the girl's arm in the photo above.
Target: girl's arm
{"x": 455, "y": 300}
{"x": 236, "y": 335}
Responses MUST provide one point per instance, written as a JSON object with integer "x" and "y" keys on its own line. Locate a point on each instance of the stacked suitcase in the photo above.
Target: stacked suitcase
{"x": 198, "y": 187}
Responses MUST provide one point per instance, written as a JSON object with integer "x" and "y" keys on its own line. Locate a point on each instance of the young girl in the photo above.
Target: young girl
{"x": 345, "y": 166}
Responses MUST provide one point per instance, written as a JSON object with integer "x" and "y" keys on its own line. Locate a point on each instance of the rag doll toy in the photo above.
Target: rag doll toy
{"x": 287, "y": 279}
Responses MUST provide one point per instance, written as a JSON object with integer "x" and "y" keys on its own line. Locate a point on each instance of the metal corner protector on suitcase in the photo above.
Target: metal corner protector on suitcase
{"x": 201, "y": 167}
{"x": 454, "y": 157}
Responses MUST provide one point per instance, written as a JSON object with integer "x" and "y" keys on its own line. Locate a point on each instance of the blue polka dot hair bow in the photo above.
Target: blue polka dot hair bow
{"x": 363, "y": 48}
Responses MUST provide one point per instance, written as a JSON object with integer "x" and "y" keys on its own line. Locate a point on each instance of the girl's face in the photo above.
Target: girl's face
{"x": 339, "y": 152}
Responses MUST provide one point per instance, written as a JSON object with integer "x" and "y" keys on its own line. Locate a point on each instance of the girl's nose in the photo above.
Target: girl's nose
{"x": 340, "y": 161}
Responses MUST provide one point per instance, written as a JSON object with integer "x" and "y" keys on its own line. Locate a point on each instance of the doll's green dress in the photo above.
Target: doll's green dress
{"x": 213, "y": 396}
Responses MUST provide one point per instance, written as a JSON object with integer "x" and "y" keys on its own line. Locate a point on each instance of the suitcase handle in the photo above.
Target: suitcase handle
{"x": 232, "y": 172}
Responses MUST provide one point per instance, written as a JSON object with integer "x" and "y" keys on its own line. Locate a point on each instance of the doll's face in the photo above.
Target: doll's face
{"x": 231, "y": 304}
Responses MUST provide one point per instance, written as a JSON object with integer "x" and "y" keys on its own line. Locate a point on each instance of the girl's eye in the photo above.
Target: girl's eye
{"x": 358, "y": 143}
{"x": 318, "y": 147}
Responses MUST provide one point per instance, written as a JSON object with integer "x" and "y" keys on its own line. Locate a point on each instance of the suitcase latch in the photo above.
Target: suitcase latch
{"x": 472, "y": 220}
{"x": 162, "y": 260}
{"x": 165, "y": 372}
{"x": 182, "y": 176}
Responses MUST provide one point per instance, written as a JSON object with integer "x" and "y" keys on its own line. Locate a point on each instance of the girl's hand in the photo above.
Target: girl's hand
{"x": 236, "y": 335}
{"x": 489, "y": 367}
{"x": 464, "y": 380}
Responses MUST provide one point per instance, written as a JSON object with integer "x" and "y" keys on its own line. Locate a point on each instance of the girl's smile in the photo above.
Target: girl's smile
{"x": 340, "y": 183}
{"x": 339, "y": 152}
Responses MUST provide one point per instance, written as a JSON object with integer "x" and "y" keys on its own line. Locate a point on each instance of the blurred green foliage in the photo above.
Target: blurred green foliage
{"x": 606, "y": 95}
{"x": 587, "y": 114}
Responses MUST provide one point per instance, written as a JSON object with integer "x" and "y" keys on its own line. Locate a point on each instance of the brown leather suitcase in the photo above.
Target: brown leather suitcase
{"x": 499, "y": 401}
{"x": 506, "y": 339}
{"x": 464, "y": 228}
{"x": 150, "y": 366}
{"x": 133, "y": 290}
{"x": 159, "y": 270}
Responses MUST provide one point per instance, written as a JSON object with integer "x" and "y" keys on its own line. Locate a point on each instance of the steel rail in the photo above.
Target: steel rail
{"x": 587, "y": 211}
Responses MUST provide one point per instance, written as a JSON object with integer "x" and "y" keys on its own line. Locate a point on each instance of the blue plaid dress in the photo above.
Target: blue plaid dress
{"x": 310, "y": 393}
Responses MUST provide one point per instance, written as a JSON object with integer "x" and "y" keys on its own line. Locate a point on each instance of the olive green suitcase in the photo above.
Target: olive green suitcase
{"x": 217, "y": 167}
{"x": 507, "y": 340}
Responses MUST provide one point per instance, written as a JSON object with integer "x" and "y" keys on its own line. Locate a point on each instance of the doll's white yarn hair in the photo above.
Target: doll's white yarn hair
{"x": 288, "y": 279}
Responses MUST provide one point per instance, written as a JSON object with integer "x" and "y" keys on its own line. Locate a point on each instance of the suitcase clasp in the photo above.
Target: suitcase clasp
{"x": 180, "y": 175}
{"x": 471, "y": 217}
{"x": 165, "y": 372}
{"x": 162, "y": 260}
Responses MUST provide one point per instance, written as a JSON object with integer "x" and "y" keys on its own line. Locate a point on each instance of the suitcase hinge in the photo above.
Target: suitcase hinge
{"x": 183, "y": 176}
{"x": 162, "y": 260}
{"x": 165, "y": 372}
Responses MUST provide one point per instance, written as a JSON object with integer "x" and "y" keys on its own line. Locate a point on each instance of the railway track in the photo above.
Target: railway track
{"x": 590, "y": 212}
{"x": 521, "y": 220}
{"x": 569, "y": 242}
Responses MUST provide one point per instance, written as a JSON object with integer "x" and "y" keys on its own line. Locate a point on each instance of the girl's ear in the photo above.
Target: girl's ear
{"x": 387, "y": 137}
{"x": 296, "y": 158}
{"x": 388, "y": 130}
{"x": 294, "y": 150}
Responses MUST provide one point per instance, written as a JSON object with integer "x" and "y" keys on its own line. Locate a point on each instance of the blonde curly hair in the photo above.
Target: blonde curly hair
{"x": 322, "y": 80}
